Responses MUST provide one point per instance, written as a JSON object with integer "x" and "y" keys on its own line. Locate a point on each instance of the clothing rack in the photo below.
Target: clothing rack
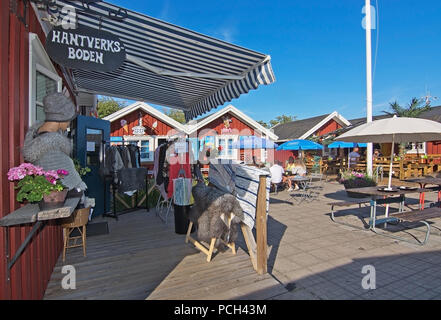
{"x": 115, "y": 183}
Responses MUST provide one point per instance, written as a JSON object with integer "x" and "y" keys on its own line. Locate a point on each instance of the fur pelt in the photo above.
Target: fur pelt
{"x": 210, "y": 204}
{"x": 35, "y": 148}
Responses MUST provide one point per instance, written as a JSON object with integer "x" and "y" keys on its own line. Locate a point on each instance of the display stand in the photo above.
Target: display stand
{"x": 256, "y": 250}
{"x": 136, "y": 203}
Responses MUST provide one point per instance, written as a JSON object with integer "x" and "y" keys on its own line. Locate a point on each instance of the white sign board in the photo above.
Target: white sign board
{"x": 138, "y": 130}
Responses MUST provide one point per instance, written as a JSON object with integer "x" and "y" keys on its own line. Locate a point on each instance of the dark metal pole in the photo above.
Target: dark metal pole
{"x": 23, "y": 246}
{"x": 147, "y": 192}
{"x": 8, "y": 272}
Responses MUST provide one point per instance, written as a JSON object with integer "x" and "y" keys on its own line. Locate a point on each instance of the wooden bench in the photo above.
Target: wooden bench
{"x": 413, "y": 217}
{"x": 346, "y": 204}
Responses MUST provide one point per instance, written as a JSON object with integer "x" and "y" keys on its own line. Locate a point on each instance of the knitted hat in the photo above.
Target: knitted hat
{"x": 58, "y": 108}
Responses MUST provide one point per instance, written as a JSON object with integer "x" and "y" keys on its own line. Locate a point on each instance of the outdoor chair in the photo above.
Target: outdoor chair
{"x": 163, "y": 208}
{"x": 277, "y": 187}
{"x": 78, "y": 220}
{"x": 311, "y": 189}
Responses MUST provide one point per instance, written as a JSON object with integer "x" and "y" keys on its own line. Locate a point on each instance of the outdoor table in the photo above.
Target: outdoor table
{"x": 31, "y": 213}
{"x": 302, "y": 181}
{"x": 425, "y": 181}
{"x": 384, "y": 197}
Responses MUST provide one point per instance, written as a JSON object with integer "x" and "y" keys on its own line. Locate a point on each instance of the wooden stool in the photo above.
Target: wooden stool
{"x": 208, "y": 251}
{"x": 78, "y": 220}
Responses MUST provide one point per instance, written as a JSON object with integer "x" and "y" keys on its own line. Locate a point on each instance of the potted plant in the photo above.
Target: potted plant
{"x": 37, "y": 185}
{"x": 353, "y": 179}
{"x": 82, "y": 171}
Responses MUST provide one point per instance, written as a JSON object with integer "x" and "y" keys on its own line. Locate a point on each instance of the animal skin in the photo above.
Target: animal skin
{"x": 210, "y": 204}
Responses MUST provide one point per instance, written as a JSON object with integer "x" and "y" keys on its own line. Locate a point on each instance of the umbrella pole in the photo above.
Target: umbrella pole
{"x": 390, "y": 174}
{"x": 391, "y": 161}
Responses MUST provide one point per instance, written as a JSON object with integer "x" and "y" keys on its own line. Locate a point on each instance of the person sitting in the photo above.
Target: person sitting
{"x": 277, "y": 172}
{"x": 354, "y": 156}
{"x": 377, "y": 154}
{"x": 299, "y": 171}
{"x": 288, "y": 168}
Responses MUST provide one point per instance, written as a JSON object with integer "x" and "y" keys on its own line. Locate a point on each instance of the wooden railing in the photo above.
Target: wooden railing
{"x": 410, "y": 166}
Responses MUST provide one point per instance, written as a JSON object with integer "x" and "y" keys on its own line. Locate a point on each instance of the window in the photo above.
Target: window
{"x": 44, "y": 85}
{"x": 419, "y": 147}
{"x": 43, "y": 79}
{"x": 222, "y": 147}
{"x": 145, "y": 144}
{"x": 226, "y": 145}
{"x": 145, "y": 151}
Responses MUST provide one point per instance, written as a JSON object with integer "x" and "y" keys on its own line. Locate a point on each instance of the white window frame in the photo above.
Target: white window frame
{"x": 138, "y": 139}
{"x": 39, "y": 61}
{"x": 414, "y": 149}
{"x": 226, "y": 137}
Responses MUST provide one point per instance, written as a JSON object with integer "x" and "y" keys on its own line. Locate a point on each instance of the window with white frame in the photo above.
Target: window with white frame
{"x": 43, "y": 78}
{"x": 145, "y": 145}
{"x": 226, "y": 147}
{"x": 416, "y": 147}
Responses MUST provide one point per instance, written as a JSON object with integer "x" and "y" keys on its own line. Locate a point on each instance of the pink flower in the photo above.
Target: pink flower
{"x": 62, "y": 172}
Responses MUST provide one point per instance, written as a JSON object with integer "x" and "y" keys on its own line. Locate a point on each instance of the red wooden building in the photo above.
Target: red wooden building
{"x": 223, "y": 129}
{"x": 27, "y": 74}
{"x": 306, "y": 128}
{"x": 147, "y": 127}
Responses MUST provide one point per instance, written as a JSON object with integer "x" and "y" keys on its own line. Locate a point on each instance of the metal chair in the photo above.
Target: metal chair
{"x": 311, "y": 189}
{"x": 161, "y": 205}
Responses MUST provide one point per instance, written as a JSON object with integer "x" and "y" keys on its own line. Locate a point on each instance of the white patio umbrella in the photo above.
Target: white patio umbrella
{"x": 395, "y": 130}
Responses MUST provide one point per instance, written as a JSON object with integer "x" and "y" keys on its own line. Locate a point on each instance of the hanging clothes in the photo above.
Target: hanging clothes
{"x": 134, "y": 155}
{"x": 177, "y": 162}
{"x": 158, "y": 170}
{"x": 113, "y": 161}
{"x": 125, "y": 156}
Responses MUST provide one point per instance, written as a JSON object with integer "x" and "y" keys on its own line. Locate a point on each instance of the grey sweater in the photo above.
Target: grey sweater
{"x": 51, "y": 151}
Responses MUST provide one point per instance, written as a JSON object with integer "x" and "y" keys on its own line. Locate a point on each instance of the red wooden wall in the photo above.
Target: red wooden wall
{"x": 284, "y": 155}
{"x": 132, "y": 119}
{"x": 239, "y": 127}
{"x": 433, "y": 147}
{"x": 330, "y": 126}
{"x": 31, "y": 273}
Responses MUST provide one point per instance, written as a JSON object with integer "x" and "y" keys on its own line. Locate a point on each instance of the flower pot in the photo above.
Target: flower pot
{"x": 53, "y": 200}
{"x": 357, "y": 183}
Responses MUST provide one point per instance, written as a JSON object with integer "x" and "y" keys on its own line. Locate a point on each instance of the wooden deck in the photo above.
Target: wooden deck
{"x": 142, "y": 258}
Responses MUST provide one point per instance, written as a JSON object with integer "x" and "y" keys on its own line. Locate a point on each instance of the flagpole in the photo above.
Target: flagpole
{"x": 369, "y": 152}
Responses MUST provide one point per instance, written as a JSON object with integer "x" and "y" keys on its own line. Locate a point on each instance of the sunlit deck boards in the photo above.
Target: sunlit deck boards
{"x": 142, "y": 258}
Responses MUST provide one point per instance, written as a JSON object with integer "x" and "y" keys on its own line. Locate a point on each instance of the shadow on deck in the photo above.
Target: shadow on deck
{"x": 142, "y": 258}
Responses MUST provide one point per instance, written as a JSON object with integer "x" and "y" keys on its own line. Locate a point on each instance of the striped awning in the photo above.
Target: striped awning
{"x": 169, "y": 65}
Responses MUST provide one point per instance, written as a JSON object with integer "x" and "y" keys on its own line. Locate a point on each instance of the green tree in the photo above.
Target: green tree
{"x": 263, "y": 123}
{"x": 413, "y": 110}
{"x": 281, "y": 120}
{"x": 107, "y": 106}
{"x": 177, "y": 115}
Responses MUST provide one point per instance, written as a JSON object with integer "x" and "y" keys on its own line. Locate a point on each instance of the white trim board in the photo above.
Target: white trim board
{"x": 239, "y": 114}
{"x": 333, "y": 116}
{"x": 148, "y": 109}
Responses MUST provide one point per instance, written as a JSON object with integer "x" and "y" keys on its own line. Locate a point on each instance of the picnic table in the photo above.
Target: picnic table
{"x": 379, "y": 197}
{"x": 423, "y": 182}
{"x": 397, "y": 195}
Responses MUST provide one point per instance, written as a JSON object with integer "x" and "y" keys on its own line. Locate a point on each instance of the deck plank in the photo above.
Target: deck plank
{"x": 142, "y": 258}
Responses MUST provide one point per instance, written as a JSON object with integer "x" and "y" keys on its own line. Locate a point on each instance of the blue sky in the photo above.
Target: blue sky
{"x": 318, "y": 50}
